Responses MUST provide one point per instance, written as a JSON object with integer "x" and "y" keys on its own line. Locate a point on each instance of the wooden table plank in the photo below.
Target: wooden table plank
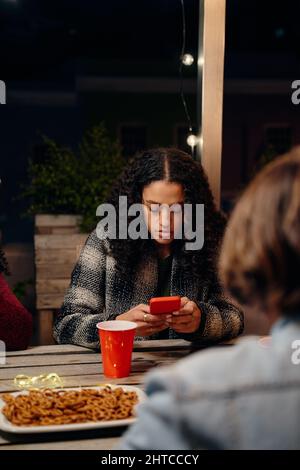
{"x": 3, "y": 440}
{"x": 71, "y": 359}
{"x": 168, "y": 344}
{"x": 50, "y": 359}
{"x": 140, "y": 364}
{"x": 83, "y": 444}
{"x": 51, "y": 349}
{"x": 103, "y": 438}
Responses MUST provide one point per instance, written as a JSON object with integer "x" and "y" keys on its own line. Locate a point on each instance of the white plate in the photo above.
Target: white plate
{"x": 7, "y": 426}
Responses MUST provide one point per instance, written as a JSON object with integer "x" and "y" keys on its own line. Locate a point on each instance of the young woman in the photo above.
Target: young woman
{"x": 116, "y": 278}
{"x": 15, "y": 320}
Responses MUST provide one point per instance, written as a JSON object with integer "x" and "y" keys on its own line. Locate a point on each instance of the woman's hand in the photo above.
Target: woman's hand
{"x": 147, "y": 324}
{"x": 187, "y": 319}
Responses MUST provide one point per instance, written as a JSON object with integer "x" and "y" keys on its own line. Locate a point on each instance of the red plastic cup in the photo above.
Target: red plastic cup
{"x": 116, "y": 340}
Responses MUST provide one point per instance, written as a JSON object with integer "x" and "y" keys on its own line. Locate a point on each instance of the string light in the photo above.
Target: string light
{"x": 187, "y": 59}
{"x": 180, "y": 69}
{"x": 194, "y": 140}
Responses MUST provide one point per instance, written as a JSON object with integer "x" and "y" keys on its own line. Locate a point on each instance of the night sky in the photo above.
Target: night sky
{"x": 53, "y": 40}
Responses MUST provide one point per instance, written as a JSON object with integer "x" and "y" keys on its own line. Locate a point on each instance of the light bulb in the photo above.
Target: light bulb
{"x": 187, "y": 59}
{"x": 192, "y": 140}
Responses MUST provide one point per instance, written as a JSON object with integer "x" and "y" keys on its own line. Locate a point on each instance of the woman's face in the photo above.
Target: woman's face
{"x": 161, "y": 222}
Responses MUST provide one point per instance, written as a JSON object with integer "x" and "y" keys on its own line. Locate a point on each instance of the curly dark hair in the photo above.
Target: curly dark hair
{"x": 3, "y": 263}
{"x": 172, "y": 165}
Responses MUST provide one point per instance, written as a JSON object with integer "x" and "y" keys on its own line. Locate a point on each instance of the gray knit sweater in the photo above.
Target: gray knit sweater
{"x": 98, "y": 292}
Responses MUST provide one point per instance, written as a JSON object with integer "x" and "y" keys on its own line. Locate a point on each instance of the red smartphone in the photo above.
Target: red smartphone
{"x": 159, "y": 305}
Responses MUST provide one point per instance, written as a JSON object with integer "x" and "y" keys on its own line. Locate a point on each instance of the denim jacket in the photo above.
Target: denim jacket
{"x": 242, "y": 397}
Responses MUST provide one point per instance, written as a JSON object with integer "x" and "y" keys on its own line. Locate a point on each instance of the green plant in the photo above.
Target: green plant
{"x": 70, "y": 182}
{"x": 101, "y": 162}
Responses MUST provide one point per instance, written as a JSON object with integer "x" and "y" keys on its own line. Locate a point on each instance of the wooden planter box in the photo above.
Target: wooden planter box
{"x": 57, "y": 243}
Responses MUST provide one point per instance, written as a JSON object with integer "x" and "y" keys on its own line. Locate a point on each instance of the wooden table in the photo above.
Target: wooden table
{"x": 81, "y": 367}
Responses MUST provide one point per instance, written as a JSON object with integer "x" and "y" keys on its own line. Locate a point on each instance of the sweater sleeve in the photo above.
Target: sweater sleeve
{"x": 220, "y": 319}
{"x": 84, "y": 302}
{"x": 15, "y": 320}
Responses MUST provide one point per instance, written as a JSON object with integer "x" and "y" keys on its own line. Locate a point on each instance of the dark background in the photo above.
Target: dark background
{"x": 51, "y": 40}
{"x": 46, "y": 44}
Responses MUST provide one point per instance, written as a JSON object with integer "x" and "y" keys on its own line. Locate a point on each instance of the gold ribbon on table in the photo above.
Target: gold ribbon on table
{"x": 51, "y": 380}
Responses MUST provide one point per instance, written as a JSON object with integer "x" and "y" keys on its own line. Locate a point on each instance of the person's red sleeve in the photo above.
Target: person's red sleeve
{"x": 15, "y": 320}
